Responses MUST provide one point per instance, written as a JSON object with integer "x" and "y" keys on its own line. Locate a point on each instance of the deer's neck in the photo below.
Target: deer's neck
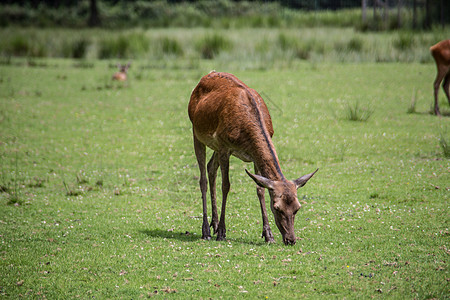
{"x": 266, "y": 160}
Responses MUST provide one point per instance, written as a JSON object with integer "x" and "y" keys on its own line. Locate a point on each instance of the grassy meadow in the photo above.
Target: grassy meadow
{"x": 99, "y": 181}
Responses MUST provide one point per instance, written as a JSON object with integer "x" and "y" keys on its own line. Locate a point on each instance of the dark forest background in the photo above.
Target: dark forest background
{"x": 371, "y": 14}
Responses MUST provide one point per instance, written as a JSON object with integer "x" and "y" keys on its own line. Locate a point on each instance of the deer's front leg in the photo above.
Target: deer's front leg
{"x": 224, "y": 162}
{"x": 267, "y": 232}
{"x": 213, "y": 165}
{"x": 200, "y": 153}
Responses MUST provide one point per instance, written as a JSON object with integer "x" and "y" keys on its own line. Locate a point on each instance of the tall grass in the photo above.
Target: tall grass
{"x": 249, "y": 44}
{"x": 211, "y": 45}
{"x": 404, "y": 41}
{"x": 151, "y": 14}
{"x": 170, "y": 46}
{"x": 354, "y": 112}
{"x": 76, "y": 48}
{"x": 355, "y": 44}
{"x": 26, "y": 46}
{"x": 131, "y": 45}
{"x": 412, "y": 106}
{"x": 445, "y": 145}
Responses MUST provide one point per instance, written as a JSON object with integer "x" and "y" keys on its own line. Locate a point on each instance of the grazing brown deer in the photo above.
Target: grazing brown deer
{"x": 122, "y": 74}
{"x": 441, "y": 54}
{"x": 232, "y": 119}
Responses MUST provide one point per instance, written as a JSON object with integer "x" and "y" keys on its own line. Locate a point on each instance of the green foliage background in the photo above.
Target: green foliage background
{"x": 224, "y": 14}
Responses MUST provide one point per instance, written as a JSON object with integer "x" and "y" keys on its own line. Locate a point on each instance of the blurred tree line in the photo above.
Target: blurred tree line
{"x": 375, "y": 14}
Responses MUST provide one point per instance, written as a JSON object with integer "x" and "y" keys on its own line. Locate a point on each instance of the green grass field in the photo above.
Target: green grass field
{"x": 100, "y": 198}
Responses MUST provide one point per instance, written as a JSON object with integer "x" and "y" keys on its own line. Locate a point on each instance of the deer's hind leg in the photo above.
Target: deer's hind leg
{"x": 200, "y": 153}
{"x": 446, "y": 86}
{"x": 213, "y": 165}
{"x": 442, "y": 71}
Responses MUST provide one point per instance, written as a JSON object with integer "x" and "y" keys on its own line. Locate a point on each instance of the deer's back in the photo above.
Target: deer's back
{"x": 120, "y": 76}
{"x": 227, "y": 113}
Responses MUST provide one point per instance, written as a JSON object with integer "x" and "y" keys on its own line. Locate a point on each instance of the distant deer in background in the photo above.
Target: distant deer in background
{"x": 441, "y": 54}
{"x": 232, "y": 119}
{"x": 122, "y": 74}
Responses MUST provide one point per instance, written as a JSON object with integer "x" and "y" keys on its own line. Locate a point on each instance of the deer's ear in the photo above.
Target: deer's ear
{"x": 261, "y": 181}
{"x": 299, "y": 182}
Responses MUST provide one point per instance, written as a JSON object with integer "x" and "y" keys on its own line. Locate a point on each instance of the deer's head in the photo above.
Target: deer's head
{"x": 123, "y": 68}
{"x": 121, "y": 75}
{"x": 283, "y": 202}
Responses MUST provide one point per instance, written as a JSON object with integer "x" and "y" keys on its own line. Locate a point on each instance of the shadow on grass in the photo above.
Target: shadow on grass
{"x": 444, "y": 113}
{"x": 181, "y": 236}
{"x": 190, "y": 237}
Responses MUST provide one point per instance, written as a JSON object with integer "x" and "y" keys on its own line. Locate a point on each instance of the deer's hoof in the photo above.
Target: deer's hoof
{"x": 220, "y": 238}
{"x": 268, "y": 236}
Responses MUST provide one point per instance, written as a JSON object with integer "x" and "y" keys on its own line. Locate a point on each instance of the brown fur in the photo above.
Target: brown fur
{"x": 441, "y": 55}
{"x": 122, "y": 74}
{"x": 232, "y": 119}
